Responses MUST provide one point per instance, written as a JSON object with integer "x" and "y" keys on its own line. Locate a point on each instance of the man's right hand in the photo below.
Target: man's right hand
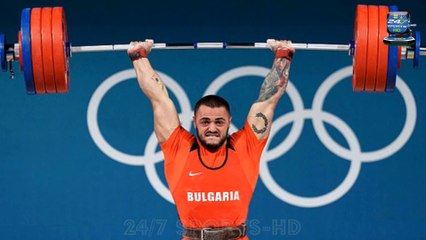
{"x": 136, "y": 46}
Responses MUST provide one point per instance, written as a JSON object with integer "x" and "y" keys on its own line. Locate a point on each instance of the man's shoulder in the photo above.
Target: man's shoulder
{"x": 183, "y": 133}
{"x": 179, "y": 137}
{"x": 238, "y": 135}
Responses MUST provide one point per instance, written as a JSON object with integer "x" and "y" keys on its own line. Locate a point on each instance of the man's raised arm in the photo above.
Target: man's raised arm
{"x": 165, "y": 115}
{"x": 273, "y": 87}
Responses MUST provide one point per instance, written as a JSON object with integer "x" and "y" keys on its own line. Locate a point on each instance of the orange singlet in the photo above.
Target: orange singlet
{"x": 212, "y": 189}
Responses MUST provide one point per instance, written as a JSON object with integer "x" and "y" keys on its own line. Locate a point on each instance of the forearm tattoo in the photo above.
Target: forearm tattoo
{"x": 265, "y": 119}
{"x": 157, "y": 79}
{"x": 277, "y": 78}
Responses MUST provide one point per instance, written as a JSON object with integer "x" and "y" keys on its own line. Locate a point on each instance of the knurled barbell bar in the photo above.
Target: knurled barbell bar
{"x": 382, "y": 37}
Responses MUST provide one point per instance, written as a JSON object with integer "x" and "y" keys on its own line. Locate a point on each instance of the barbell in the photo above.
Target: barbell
{"x": 382, "y": 37}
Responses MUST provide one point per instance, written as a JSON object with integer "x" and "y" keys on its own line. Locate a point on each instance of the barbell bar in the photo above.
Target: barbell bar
{"x": 210, "y": 45}
{"x": 43, "y": 49}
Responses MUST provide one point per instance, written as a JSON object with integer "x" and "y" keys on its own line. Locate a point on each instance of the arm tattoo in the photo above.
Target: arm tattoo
{"x": 155, "y": 78}
{"x": 277, "y": 78}
{"x": 265, "y": 119}
{"x": 158, "y": 81}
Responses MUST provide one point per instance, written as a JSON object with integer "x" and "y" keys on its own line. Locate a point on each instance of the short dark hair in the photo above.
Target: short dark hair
{"x": 212, "y": 101}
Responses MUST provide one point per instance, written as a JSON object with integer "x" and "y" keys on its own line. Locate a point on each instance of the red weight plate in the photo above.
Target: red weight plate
{"x": 21, "y": 65}
{"x": 399, "y": 57}
{"x": 382, "y": 61}
{"x": 36, "y": 53}
{"x": 372, "y": 47}
{"x": 46, "y": 36}
{"x": 360, "y": 56}
{"x": 60, "y": 58}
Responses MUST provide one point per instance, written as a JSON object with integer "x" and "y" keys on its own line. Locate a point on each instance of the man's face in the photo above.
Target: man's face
{"x": 212, "y": 125}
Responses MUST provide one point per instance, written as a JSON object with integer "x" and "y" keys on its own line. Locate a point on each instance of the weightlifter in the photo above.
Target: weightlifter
{"x": 212, "y": 175}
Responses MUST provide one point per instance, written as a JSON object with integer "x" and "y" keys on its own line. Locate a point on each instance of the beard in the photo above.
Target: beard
{"x": 212, "y": 147}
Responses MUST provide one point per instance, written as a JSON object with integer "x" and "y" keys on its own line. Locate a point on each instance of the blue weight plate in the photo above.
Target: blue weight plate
{"x": 3, "y": 62}
{"x": 417, "y": 51}
{"x": 26, "y": 50}
{"x": 392, "y": 62}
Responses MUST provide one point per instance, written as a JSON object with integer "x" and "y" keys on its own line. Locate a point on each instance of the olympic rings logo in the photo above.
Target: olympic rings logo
{"x": 297, "y": 117}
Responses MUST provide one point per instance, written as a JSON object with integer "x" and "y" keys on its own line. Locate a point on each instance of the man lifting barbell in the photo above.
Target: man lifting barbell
{"x": 212, "y": 176}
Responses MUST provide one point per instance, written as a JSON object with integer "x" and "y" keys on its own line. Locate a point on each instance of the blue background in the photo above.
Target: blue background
{"x": 55, "y": 183}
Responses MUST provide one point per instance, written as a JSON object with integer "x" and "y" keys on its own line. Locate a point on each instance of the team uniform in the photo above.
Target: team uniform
{"x": 212, "y": 189}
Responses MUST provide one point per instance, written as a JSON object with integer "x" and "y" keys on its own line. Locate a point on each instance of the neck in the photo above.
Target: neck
{"x": 213, "y": 158}
{"x": 212, "y": 149}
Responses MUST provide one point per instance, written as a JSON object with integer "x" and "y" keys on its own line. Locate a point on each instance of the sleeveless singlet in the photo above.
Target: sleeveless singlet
{"x": 212, "y": 189}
